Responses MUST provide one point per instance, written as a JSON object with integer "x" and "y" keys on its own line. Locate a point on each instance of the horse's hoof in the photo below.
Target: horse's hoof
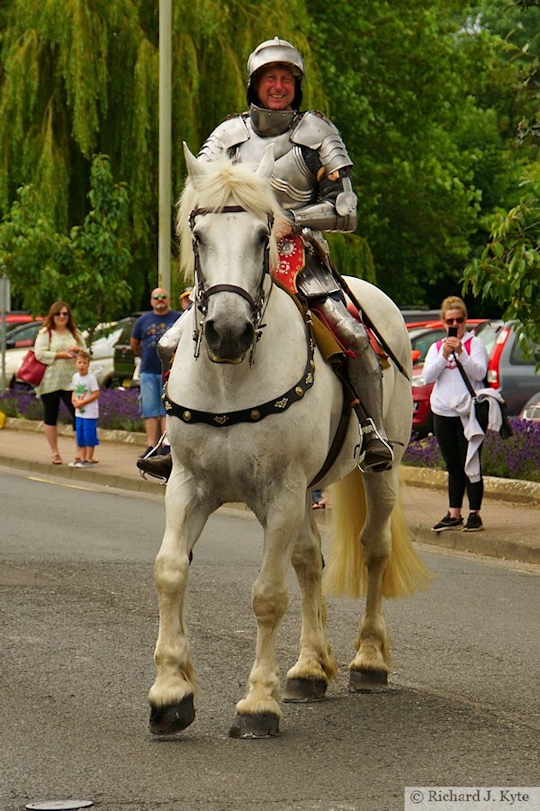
{"x": 367, "y": 681}
{"x": 172, "y": 718}
{"x": 304, "y": 690}
{"x": 264, "y": 725}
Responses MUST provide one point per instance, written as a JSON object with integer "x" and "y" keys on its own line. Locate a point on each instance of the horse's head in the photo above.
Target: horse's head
{"x": 225, "y": 223}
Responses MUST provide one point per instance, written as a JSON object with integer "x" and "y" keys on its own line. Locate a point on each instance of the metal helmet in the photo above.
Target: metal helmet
{"x": 268, "y": 53}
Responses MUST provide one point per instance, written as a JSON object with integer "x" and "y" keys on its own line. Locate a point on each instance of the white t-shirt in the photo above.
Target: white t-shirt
{"x": 82, "y": 386}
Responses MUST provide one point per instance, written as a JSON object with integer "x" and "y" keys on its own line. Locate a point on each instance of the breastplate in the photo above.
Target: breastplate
{"x": 293, "y": 183}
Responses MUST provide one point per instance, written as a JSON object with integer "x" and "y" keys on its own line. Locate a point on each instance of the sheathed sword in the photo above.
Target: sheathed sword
{"x": 322, "y": 253}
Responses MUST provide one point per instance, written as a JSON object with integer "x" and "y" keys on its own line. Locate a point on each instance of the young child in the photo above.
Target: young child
{"x": 85, "y": 399}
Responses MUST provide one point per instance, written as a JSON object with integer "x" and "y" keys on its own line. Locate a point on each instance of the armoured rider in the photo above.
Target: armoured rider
{"x": 312, "y": 182}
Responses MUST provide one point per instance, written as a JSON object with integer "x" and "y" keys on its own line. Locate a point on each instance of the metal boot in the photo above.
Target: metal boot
{"x": 375, "y": 453}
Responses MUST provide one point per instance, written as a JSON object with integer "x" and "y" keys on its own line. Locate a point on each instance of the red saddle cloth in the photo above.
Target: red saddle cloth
{"x": 292, "y": 259}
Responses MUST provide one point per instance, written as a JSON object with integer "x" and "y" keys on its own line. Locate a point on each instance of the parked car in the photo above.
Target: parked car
{"x": 17, "y": 317}
{"x": 126, "y": 365}
{"x": 18, "y": 341}
{"x": 420, "y": 316}
{"x": 105, "y": 337}
{"x": 531, "y": 409}
{"x": 511, "y": 367}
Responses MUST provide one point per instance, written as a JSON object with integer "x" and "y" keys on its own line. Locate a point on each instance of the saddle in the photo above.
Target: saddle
{"x": 292, "y": 260}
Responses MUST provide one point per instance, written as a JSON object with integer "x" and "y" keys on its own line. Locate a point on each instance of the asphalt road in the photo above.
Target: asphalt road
{"x": 79, "y": 622}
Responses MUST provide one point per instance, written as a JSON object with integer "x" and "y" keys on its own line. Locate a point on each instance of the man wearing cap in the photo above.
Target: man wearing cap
{"x": 312, "y": 183}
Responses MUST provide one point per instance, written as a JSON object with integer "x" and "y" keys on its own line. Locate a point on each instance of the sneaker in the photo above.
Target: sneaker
{"x": 474, "y": 523}
{"x": 448, "y": 523}
{"x": 147, "y": 452}
{"x": 84, "y": 463}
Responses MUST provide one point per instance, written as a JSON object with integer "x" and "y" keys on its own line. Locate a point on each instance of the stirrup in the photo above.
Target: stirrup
{"x": 158, "y": 467}
{"x": 155, "y": 465}
{"x": 374, "y": 453}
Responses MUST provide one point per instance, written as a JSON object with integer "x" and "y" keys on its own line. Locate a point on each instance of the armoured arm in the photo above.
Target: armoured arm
{"x": 326, "y": 157}
{"x": 335, "y": 209}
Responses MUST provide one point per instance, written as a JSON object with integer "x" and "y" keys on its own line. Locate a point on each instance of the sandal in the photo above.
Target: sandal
{"x": 55, "y": 460}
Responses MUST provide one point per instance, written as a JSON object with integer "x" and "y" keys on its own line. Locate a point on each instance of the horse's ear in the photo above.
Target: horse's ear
{"x": 266, "y": 166}
{"x": 195, "y": 168}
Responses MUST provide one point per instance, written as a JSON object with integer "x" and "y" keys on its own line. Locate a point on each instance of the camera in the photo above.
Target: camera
{"x": 452, "y": 332}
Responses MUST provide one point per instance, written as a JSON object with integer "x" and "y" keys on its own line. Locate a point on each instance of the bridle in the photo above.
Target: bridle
{"x": 258, "y": 304}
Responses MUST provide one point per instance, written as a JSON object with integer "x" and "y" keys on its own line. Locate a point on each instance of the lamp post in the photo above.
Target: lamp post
{"x": 164, "y": 213}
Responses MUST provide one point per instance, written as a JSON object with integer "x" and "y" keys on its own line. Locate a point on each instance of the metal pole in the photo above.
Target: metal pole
{"x": 164, "y": 217}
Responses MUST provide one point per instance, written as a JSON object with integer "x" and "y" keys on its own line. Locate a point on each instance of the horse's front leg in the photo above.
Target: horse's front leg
{"x": 259, "y": 713}
{"x": 171, "y": 696}
{"x": 369, "y": 668}
{"x": 308, "y": 679}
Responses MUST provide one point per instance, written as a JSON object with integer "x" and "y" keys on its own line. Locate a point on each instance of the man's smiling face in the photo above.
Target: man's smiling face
{"x": 276, "y": 87}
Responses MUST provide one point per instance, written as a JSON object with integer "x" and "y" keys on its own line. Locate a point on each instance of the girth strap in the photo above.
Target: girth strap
{"x": 338, "y": 440}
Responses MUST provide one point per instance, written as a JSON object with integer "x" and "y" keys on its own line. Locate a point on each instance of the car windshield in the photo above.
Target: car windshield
{"x": 422, "y": 339}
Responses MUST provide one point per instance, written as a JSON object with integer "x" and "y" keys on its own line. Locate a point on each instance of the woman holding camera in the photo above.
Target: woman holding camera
{"x": 447, "y": 396}
{"x": 56, "y": 345}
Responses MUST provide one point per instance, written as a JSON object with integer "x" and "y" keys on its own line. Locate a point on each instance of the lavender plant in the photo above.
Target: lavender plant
{"x": 118, "y": 408}
{"x": 515, "y": 458}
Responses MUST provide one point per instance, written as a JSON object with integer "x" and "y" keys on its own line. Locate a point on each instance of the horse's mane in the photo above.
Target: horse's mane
{"x": 225, "y": 183}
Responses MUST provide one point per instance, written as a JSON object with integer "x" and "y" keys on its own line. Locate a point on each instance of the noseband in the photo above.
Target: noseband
{"x": 257, "y": 304}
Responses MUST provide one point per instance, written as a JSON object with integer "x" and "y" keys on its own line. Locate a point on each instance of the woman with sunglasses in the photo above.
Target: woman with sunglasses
{"x": 56, "y": 345}
{"x": 449, "y": 393}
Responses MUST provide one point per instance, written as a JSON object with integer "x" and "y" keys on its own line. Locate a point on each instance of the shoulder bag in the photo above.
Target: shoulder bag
{"x": 31, "y": 370}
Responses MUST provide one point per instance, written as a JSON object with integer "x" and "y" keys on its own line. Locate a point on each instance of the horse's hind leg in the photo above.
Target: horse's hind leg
{"x": 308, "y": 679}
{"x": 369, "y": 668}
{"x": 171, "y": 696}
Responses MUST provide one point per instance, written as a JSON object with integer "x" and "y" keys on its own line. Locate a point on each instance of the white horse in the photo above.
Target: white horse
{"x": 253, "y": 413}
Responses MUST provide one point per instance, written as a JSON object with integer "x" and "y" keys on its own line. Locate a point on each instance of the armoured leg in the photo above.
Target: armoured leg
{"x": 155, "y": 465}
{"x": 366, "y": 379}
{"x": 167, "y": 345}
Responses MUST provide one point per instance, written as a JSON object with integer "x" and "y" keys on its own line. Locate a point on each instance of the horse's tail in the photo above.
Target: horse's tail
{"x": 346, "y": 574}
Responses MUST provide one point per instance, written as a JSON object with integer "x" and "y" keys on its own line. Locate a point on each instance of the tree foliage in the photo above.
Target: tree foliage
{"x": 507, "y": 270}
{"x": 424, "y": 92}
{"x": 88, "y": 267}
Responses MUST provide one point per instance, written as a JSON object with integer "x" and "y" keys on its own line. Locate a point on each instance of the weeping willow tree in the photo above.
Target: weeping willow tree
{"x": 81, "y": 77}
